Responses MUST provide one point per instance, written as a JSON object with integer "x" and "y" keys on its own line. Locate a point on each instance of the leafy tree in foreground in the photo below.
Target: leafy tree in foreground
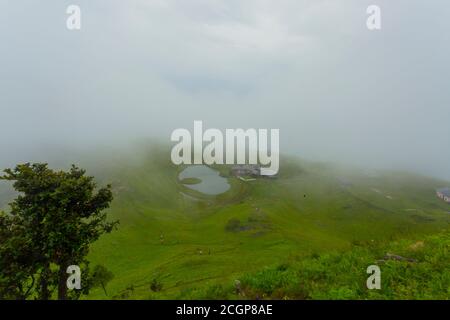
{"x": 50, "y": 226}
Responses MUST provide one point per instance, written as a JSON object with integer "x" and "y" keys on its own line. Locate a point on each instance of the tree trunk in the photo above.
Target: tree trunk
{"x": 62, "y": 285}
{"x": 104, "y": 289}
{"x": 44, "y": 293}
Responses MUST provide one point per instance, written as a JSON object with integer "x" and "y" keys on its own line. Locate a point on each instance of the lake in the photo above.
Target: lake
{"x": 211, "y": 182}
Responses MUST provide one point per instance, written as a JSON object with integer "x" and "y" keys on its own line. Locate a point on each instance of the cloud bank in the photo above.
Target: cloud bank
{"x": 137, "y": 69}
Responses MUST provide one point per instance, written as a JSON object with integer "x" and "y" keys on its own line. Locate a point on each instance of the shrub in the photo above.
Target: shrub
{"x": 233, "y": 225}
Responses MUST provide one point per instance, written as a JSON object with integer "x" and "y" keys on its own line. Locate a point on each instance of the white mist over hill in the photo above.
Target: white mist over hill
{"x": 140, "y": 69}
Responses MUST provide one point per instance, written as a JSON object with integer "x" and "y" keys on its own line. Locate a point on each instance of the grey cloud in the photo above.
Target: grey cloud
{"x": 311, "y": 68}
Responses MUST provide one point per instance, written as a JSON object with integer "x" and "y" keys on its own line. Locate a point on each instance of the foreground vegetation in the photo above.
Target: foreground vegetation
{"x": 49, "y": 228}
{"x": 309, "y": 234}
{"x": 423, "y": 274}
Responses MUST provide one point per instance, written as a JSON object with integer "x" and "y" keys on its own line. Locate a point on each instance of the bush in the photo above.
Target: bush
{"x": 156, "y": 285}
{"x": 233, "y": 225}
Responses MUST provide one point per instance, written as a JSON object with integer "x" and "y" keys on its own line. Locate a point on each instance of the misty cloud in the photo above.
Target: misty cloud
{"x": 337, "y": 91}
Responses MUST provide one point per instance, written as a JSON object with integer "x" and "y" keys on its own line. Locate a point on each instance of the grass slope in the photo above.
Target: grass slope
{"x": 342, "y": 275}
{"x": 169, "y": 242}
{"x": 173, "y": 242}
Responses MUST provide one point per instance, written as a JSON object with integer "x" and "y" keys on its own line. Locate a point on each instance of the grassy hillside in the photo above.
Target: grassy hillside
{"x": 173, "y": 242}
{"x": 424, "y": 275}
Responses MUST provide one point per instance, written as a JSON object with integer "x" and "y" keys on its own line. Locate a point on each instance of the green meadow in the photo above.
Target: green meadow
{"x": 308, "y": 234}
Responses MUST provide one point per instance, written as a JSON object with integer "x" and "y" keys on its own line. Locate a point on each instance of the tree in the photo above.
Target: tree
{"x": 50, "y": 226}
{"x": 16, "y": 271}
{"x": 101, "y": 276}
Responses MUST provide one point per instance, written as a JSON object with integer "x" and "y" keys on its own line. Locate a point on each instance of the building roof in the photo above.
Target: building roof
{"x": 246, "y": 166}
{"x": 444, "y": 191}
{"x": 246, "y": 169}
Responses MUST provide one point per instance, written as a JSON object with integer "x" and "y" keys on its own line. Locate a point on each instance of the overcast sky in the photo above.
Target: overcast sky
{"x": 136, "y": 69}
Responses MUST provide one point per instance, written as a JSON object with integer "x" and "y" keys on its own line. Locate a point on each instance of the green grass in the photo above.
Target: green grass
{"x": 190, "y": 181}
{"x": 173, "y": 242}
{"x": 342, "y": 275}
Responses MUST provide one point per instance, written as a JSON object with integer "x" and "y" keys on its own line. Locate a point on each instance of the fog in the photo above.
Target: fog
{"x": 139, "y": 69}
